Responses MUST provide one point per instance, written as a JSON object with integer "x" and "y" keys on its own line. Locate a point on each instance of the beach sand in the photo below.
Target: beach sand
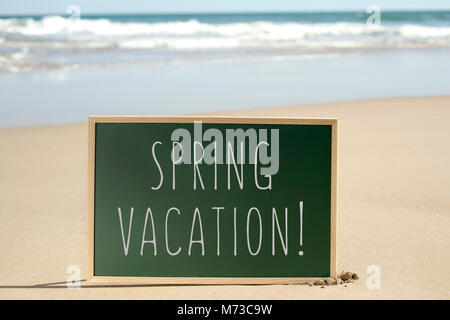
{"x": 394, "y": 207}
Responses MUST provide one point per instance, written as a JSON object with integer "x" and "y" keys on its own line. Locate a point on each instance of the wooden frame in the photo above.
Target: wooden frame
{"x": 207, "y": 119}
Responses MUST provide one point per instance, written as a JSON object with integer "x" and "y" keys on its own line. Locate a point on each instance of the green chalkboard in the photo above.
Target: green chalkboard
{"x": 223, "y": 217}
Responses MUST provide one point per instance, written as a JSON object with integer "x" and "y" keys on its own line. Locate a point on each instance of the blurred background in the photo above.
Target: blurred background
{"x": 61, "y": 61}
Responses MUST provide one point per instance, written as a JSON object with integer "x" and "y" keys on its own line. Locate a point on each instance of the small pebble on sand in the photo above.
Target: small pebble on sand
{"x": 319, "y": 283}
{"x": 348, "y": 277}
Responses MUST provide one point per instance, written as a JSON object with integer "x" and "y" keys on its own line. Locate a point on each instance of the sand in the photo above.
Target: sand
{"x": 394, "y": 207}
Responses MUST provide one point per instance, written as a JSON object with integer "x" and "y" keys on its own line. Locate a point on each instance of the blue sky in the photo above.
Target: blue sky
{"x": 148, "y": 6}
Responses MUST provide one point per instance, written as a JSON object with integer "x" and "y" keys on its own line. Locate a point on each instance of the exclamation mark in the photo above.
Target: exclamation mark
{"x": 300, "y": 253}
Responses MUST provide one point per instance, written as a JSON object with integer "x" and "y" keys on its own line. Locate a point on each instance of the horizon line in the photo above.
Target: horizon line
{"x": 228, "y": 12}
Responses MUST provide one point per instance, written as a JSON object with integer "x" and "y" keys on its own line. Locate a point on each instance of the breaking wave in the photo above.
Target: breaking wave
{"x": 24, "y": 39}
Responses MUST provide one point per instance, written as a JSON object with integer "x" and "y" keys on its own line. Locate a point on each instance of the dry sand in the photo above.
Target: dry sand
{"x": 394, "y": 207}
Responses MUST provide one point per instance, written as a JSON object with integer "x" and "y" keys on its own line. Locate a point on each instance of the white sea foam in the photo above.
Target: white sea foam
{"x": 56, "y": 27}
{"x": 38, "y": 36}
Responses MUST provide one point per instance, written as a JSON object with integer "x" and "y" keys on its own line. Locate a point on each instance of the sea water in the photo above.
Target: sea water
{"x": 59, "y": 69}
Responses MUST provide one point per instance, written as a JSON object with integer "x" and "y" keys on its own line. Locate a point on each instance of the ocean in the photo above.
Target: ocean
{"x": 59, "y": 69}
{"x": 50, "y": 42}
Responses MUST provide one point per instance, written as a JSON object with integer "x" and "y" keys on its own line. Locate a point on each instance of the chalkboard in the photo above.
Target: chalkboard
{"x": 211, "y": 199}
